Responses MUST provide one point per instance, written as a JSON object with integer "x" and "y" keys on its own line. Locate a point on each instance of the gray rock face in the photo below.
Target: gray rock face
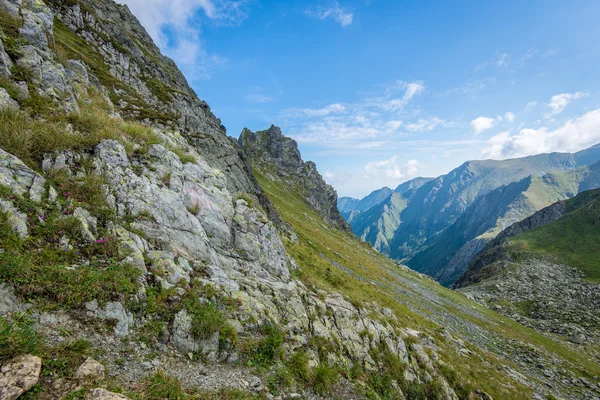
{"x": 8, "y": 301}
{"x": 272, "y": 153}
{"x": 18, "y": 376}
{"x": 116, "y": 311}
{"x": 6, "y": 101}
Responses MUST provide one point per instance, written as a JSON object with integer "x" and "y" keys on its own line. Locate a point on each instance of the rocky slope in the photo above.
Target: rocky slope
{"x": 537, "y": 271}
{"x": 272, "y": 153}
{"x": 140, "y": 258}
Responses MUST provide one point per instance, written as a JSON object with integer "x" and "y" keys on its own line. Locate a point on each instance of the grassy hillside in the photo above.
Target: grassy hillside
{"x": 332, "y": 260}
{"x": 574, "y": 238}
{"x": 489, "y": 215}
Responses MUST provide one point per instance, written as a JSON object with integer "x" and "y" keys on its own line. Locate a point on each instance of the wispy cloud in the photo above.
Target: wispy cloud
{"x": 530, "y": 106}
{"x": 576, "y": 134}
{"x": 372, "y": 119}
{"x": 468, "y": 88}
{"x": 175, "y": 27}
{"x": 502, "y": 60}
{"x": 559, "y": 102}
{"x": 426, "y": 125}
{"x": 258, "y": 98}
{"x": 334, "y": 11}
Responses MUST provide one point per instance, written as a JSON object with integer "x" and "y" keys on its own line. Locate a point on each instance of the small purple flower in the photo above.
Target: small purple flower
{"x": 10, "y": 197}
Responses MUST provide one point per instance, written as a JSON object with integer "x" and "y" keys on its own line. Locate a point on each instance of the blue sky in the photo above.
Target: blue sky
{"x": 377, "y": 92}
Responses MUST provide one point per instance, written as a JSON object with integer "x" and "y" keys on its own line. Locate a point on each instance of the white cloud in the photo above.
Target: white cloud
{"x": 314, "y": 112}
{"x": 391, "y": 169}
{"x": 482, "y": 124}
{"x": 390, "y": 101}
{"x": 372, "y": 120}
{"x": 335, "y": 12}
{"x": 259, "y": 98}
{"x": 576, "y": 134}
{"x": 560, "y": 101}
{"x": 182, "y": 19}
{"x": 424, "y": 125}
{"x": 510, "y": 117}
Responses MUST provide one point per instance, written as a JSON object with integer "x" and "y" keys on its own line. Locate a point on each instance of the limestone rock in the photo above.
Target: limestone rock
{"x": 90, "y": 371}
{"x": 116, "y": 311}
{"x": 8, "y": 301}
{"x": 6, "y": 101}
{"x": 18, "y": 376}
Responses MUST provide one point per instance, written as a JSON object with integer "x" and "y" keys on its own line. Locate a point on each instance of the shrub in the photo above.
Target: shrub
{"x": 29, "y": 139}
{"x": 323, "y": 378}
{"x": 66, "y": 357}
{"x": 207, "y": 318}
{"x": 264, "y": 352}
{"x": 298, "y": 366}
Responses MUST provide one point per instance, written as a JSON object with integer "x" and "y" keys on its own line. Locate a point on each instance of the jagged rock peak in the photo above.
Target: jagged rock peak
{"x": 276, "y": 156}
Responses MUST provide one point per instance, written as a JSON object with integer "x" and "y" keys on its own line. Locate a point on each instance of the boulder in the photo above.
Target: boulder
{"x": 19, "y": 375}
{"x": 90, "y": 371}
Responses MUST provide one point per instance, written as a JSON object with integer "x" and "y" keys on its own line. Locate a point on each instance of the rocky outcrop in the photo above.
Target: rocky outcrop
{"x": 270, "y": 152}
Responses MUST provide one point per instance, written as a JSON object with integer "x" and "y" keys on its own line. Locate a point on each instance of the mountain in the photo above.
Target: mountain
{"x": 544, "y": 270}
{"x": 378, "y": 216}
{"x": 348, "y": 204}
{"x": 449, "y": 253}
{"x": 272, "y": 153}
{"x": 410, "y": 224}
{"x": 144, "y": 254}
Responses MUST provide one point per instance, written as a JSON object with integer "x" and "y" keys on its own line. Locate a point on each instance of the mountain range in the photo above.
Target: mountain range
{"x": 437, "y": 225}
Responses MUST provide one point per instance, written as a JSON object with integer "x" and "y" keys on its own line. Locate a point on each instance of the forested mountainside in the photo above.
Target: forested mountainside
{"x": 144, "y": 254}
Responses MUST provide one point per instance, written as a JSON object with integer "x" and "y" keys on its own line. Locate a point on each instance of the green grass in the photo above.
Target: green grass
{"x": 573, "y": 239}
{"x": 266, "y": 351}
{"x": 207, "y": 319}
{"x": 67, "y": 287}
{"x": 161, "y": 386}
{"x": 18, "y": 337}
{"x": 319, "y": 245}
